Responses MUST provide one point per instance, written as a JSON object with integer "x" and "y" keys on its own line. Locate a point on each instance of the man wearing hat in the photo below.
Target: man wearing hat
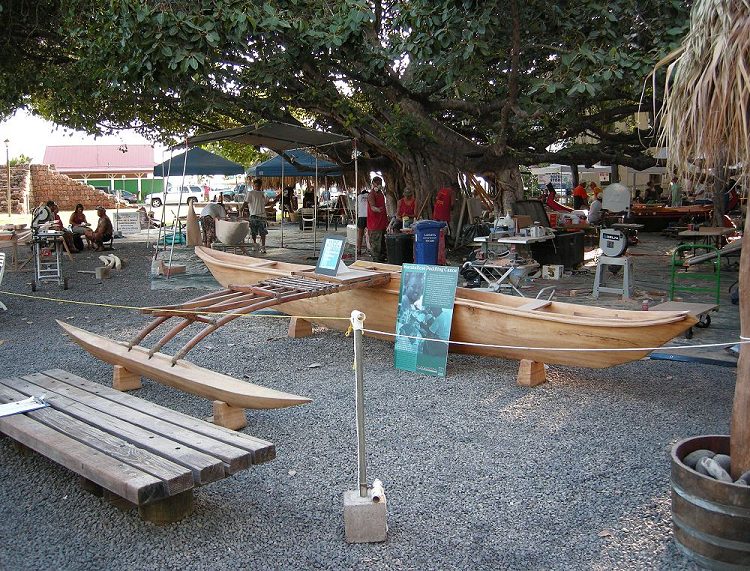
{"x": 103, "y": 233}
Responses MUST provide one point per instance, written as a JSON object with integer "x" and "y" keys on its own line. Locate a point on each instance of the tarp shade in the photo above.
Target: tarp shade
{"x": 198, "y": 162}
{"x": 278, "y": 137}
{"x": 303, "y": 165}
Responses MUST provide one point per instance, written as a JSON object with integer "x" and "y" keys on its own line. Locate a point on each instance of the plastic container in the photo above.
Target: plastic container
{"x": 429, "y": 240}
{"x": 399, "y": 248}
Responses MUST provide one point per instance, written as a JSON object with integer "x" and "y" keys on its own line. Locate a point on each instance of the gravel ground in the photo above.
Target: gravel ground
{"x": 479, "y": 472}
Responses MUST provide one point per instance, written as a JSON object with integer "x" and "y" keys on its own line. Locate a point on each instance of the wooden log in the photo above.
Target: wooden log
{"x": 124, "y": 380}
{"x": 230, "y": 417}
{"x": 299, "y": 328}
{"x": 531, "y": 373}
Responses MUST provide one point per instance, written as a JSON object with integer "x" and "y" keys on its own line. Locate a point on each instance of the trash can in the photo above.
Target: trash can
{"x": 400, "y": 248}
{"x": 429, "y": 241}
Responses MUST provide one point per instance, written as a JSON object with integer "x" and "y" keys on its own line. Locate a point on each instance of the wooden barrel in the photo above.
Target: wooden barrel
{"x": 711, "y": 518}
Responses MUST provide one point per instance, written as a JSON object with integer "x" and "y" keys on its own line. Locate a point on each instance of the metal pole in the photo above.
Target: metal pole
{"x": 356, "y": 196}
{"x": 315, "y": 210}
{"x": 358, "y": 321}
{"x": 7, "y": 162}
{"x": 282, "y": 201}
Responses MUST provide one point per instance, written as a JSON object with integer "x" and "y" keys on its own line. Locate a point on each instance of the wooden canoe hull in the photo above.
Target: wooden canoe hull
{"x": 657, "y": 218}
{"x": 183, "y": 375}
{"x": 479, "y": 318}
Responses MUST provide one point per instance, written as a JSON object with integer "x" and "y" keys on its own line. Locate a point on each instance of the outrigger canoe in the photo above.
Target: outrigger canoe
{"x": 493, "y": 324}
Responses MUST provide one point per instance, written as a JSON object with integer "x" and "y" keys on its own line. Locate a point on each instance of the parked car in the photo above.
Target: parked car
{"x": 125, "y": 195}
{"x": 190, "y": 194}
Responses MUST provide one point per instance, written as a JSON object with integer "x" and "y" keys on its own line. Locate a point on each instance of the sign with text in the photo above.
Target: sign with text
{"x": 425, "y": 312}
{"x": 127, "y": 222}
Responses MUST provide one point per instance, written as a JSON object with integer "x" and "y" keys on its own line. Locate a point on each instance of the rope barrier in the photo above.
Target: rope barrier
{"x": 742, "y": 340}
{"x": 570, "y": 349}
{"x": 176, "y": 311}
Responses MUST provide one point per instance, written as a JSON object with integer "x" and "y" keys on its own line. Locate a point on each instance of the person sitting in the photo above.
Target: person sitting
{"x": 103, "y": 233}
{"x": 595, "y": 210}
{"x": 78, "y": 222}
{"x": 57, "y": 225}
{"x": 210, "y": 213}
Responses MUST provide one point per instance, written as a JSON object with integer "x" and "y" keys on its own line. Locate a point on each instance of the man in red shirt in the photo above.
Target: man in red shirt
{"x": 580, "y": 198}
{"x": 443, "y": 205}
{"x": 377, "y": 220}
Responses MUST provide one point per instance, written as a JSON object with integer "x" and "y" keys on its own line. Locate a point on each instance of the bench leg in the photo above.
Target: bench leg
{"x": 90, "y": 487}
{"x": 299, "y": 328}
{"x": 124, "y": 380}
{"x": 230, "y": 417}
{"x": 118, "y": 501}
{"x": 168, "y": 510}
{"x": 531, "y": 373}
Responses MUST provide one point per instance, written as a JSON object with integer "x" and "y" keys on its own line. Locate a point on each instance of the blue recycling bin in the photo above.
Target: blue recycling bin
{"x": 427, "y": 237}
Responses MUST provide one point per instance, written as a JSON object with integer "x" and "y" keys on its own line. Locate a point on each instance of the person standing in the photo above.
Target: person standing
{"x": 210, "y": 213}
{"x": 406, "y": 209}
{"x": 580, "y": 198}
{"x": 443, "y": 205}
{"x": 675, "y": 192}
{"x": 377, "y": 220}
{"x": 256, "y": 207}
{"x": 361, "y": 217}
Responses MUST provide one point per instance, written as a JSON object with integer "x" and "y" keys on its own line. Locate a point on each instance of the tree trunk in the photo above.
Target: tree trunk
{"x": 740, "y": 426}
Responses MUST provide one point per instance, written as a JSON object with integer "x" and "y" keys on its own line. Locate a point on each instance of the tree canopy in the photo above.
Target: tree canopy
{"x": 429, "y": 88}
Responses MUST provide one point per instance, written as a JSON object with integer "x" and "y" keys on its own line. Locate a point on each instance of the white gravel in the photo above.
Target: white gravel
{"x": 479, "y": 472}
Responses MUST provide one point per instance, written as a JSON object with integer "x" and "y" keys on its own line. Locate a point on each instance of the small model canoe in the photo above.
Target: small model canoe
{"x": 494, "y": 324}
{"x": 183, "y": 375}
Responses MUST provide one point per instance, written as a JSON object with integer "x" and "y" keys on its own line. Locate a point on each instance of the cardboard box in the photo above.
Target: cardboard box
{"x": 552, "y": 272}
{"x": 522, "y": 221}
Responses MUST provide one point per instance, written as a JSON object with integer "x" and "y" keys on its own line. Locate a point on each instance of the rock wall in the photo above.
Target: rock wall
{"x": 48, "y": 184}
{"x": 20, "y": 185}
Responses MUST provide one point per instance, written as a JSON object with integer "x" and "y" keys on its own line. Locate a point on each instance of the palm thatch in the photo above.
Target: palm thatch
{"x": 705, "y": 116}
{"x": 707, "y": 89}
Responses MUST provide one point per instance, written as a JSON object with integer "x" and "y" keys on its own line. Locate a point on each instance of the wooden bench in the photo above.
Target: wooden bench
{"x": 131, "y": 451}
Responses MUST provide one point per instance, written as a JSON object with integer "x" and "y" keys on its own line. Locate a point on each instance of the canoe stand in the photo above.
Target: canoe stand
{"x": 212, "y": 311}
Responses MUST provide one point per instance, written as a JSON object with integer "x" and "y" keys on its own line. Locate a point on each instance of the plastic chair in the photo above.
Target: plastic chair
{"x": 308, "y": 217}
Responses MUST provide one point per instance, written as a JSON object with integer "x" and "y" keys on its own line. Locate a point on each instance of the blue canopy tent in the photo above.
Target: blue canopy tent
{"x": 199, "y": 162}
{"x": 302, "y": 164}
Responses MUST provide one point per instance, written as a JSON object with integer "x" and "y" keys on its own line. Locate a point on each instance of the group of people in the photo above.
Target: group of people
{"x": 80, "y": 229}
{"x": 379, "y": 212}
{"x": 253, "y": 208}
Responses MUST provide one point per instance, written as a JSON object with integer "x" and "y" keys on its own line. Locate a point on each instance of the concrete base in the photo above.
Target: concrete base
{"x": 365, "y": 521}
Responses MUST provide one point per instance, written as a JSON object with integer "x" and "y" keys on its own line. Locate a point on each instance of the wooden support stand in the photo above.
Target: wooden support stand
{"x": 531, "y": 373}
{"x": 230, "y": 417}
{"x": 299, "y": 328}
{"x": 124, "y": 380}
{"x": 169, "y": 510}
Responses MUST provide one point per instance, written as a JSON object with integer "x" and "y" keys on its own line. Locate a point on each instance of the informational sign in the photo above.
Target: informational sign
{"x": 330, "y": 255}
{"x": 127, "y": 222}
{"x": 425, "y": 312}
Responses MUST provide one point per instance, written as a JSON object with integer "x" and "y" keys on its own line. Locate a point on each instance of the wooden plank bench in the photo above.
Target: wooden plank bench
{"x": 135, "y": 453}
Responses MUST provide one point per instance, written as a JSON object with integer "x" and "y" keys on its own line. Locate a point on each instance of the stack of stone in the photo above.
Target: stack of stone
{"x": 48, "y": 184}
{"x": 19, "y": 188}
{"x": 717, "y": 466}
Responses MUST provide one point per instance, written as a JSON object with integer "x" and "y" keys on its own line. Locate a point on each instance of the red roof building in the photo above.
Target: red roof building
{"x": 101, "y": 161}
